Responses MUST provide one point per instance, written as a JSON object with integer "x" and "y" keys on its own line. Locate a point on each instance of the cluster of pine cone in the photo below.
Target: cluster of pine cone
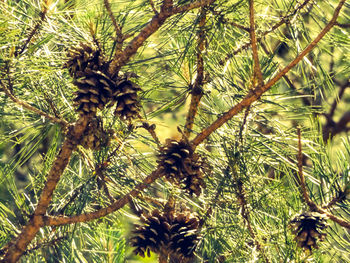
{"x": 307, "y": 228}
{"x": 96, "y": 88}
{"x": 183, "y": 166}
{"x": 169, "y": 233}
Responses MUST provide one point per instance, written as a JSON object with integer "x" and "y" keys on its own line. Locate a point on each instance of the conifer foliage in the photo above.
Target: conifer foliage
{"x": 174, "y": 131}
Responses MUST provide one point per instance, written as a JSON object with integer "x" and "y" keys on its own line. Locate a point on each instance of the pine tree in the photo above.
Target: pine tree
{"x": 183, "y": 131}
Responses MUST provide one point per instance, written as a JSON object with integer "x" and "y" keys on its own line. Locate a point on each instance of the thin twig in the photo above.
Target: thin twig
{"x": 190, "y": 6}
{"x": 240, "y": 192}
{"x": 45, "y": 244}
{"x": 246, "y": 215}
{"x": 166, "y": 11}
{"x": 241, "y": 198}
{"x": 197, "y": 89}
{"x": 340, "y": 197}
{"x": 240, "y": 133}
{"x": 101, "y": 182}
{"x": 152, "y": 131}
{"x": 35, "y": 29}
{"x": 342, "y": 25}
{"x": 304, "y": 192}
{"x": 63, "y": 220}
{"x": 285, "y": 19}
{"x": 255, "y": 94}
{"x": 257, "y": 75}
{"x": 226, "y": 21}
{"x": 31, "y": 108}
{"x": 117, "y": 28}
{"x": 215, "y": 199}
{"x": 153, "y": 7}
{"x": 286, "y": 78}
{"x": 313, "y": 206}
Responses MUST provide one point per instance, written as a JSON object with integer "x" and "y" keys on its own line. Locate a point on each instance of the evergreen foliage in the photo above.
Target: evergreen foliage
{"x": 220, "y": 126}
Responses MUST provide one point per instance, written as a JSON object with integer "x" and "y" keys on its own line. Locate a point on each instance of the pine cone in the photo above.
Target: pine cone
{"x": 307, "y": 227}
{"x": 153, "y": 235}
{"x": 84, "y": 57}
{"x": 182, "y": 166}
{"x": 95, "y": 90}
{"x": 176, "y": 235}
{"x": 183, "y": 235}
{"x": 127, "y": 99}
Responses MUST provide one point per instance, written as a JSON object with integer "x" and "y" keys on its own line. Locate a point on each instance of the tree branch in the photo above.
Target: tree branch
{"x": 156, "y": 22}
{"x": 130, "y": 50}
{"x": 197, "y": 89}
{"x": 245, "y": 215}
{"x": 285, "y": 19}
{"x": 255, "y": 94}
{"x": 190, "y": 6}
{"x": 153, "y": 7}
{"x": 226, "y": 21}
{"x": 19, "y": 246}
{"x": 338, "y": 198}
{"x": 257, "y": 75}
{"x": 313, "y": 206}
{"x": 63, "y": 220}
{"x": 342, "y": 25}
{"x": 287, "y": 79}
{"x": 151, "y": 129}
{"x": 118, "y": 30}
{"x": 31, "y": 108}
{"x": 35, "y": 29}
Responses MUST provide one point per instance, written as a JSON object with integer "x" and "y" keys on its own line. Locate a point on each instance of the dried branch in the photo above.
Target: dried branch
{"x": 313, "y": 206}
{"x": 35, "y": 29}
{"x": 257, "y": 75}
{"x": 18, "y": 247}
{"x": 63, "y": 220}
{"x": 255, "y": 94}
{"x": 24, "y": 104}
{"x": 197, "y": 89}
